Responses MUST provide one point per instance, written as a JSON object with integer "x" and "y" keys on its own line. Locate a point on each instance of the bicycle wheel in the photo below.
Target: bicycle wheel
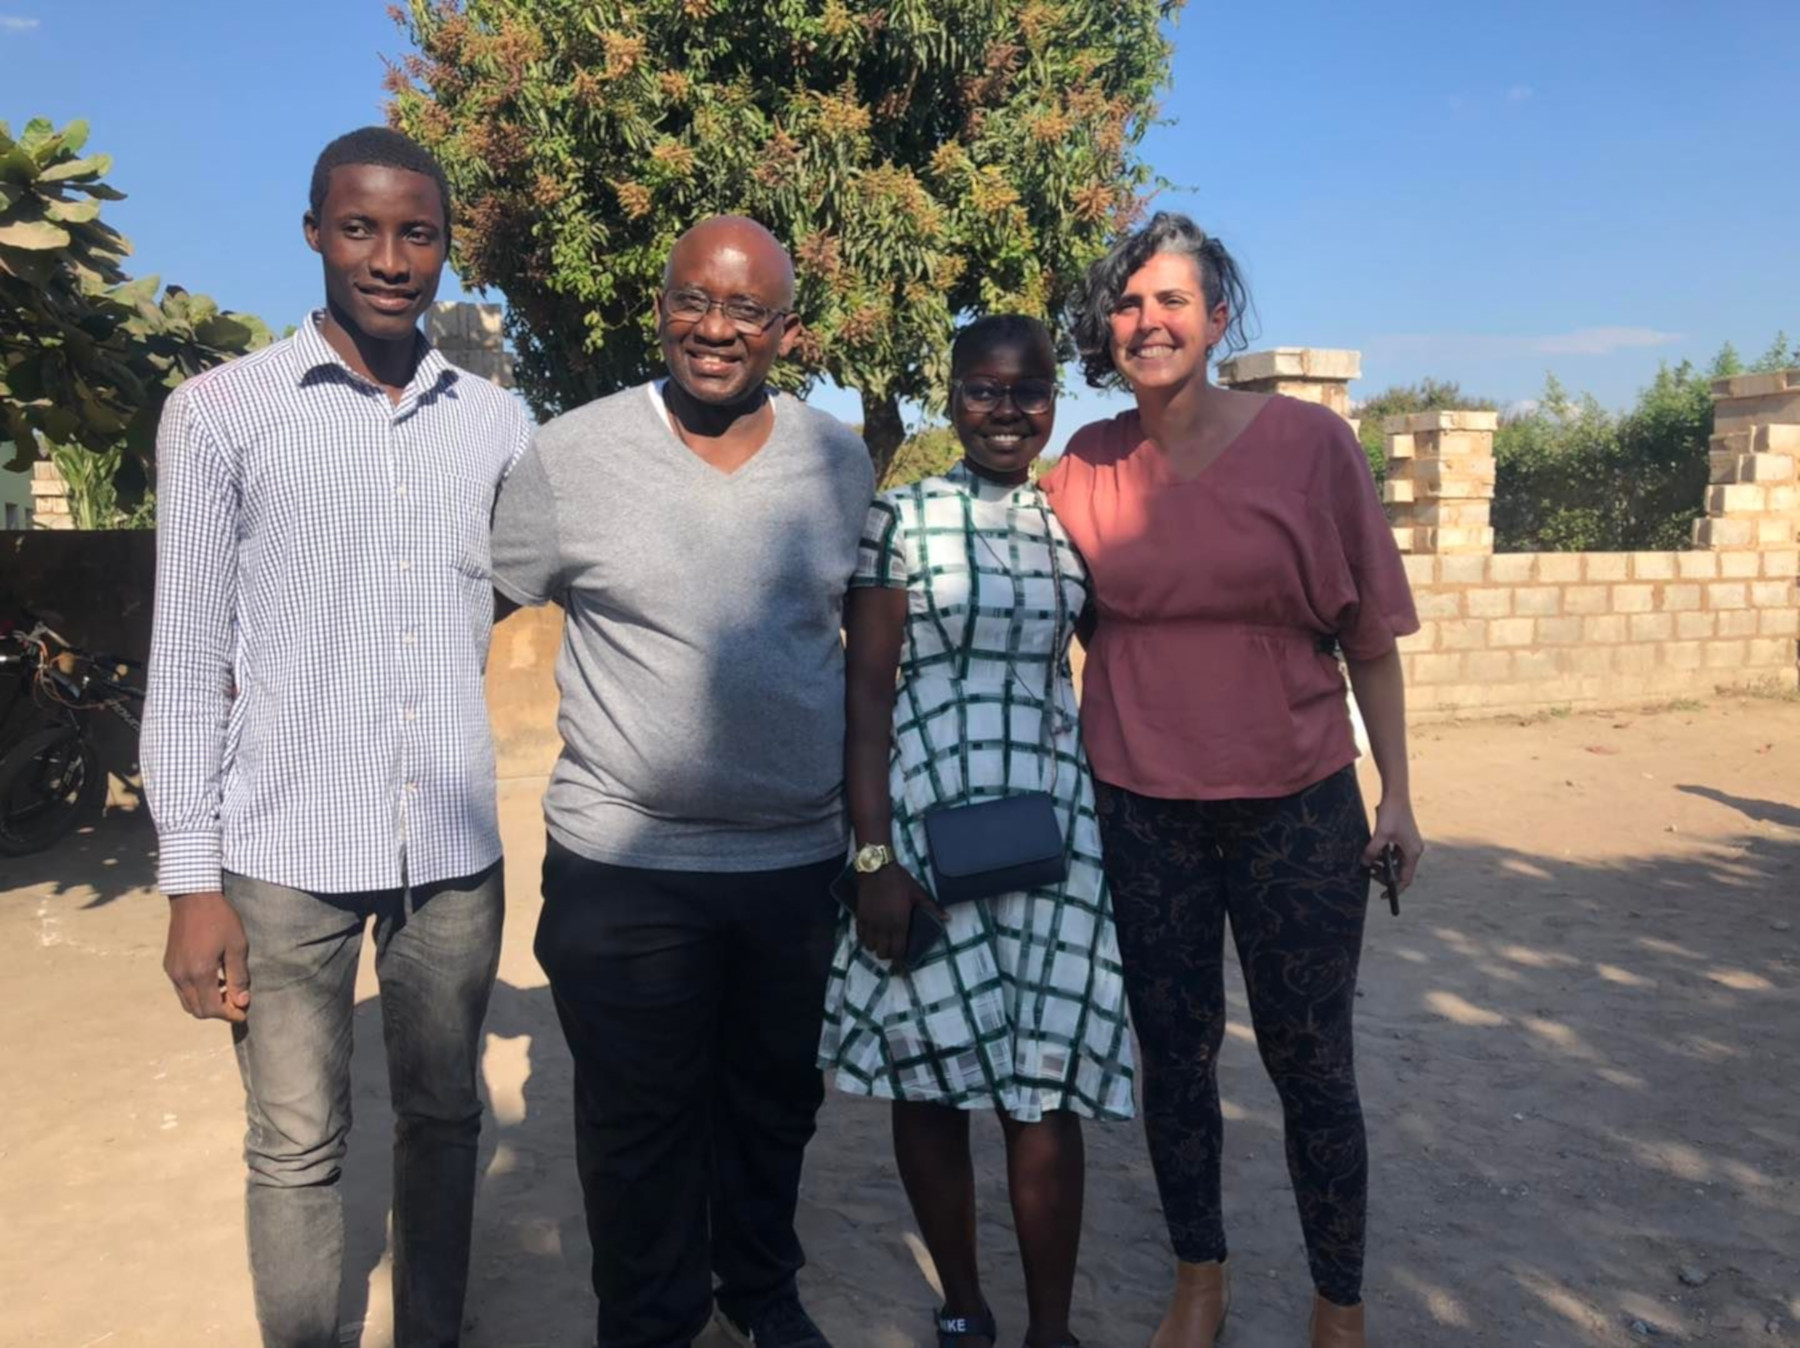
{"x": 49, "y": 783}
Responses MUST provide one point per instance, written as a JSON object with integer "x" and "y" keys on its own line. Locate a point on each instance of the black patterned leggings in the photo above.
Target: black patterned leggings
{"x": 1288, "y": 873}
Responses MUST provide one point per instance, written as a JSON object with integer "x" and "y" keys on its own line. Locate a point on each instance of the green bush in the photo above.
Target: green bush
{"x": 1574, "y": 477}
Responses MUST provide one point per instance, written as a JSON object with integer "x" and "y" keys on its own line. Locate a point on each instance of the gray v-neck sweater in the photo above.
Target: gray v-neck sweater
{"x": 702, "y": 670}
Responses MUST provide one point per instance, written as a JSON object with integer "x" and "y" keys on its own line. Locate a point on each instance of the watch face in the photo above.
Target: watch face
{"x": 871, "y": 858}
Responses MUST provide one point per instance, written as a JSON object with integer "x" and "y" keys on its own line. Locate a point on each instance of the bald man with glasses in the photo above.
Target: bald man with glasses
{"x": 699, "y": 532}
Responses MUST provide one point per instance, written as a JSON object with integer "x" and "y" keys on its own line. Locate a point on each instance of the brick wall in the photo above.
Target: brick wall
{"x": 1525, "y": 631}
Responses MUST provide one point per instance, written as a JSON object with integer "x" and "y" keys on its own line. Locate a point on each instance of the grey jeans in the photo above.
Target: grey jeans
{"x": 437, "y": 950}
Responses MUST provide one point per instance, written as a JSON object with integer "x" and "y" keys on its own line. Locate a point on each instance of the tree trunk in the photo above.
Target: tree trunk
{"x": 882, "y": 429}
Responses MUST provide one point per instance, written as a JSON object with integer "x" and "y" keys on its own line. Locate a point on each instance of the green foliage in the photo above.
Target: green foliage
{"x": 1779, "y": 356}
{"x": 924, "y": 159}
{"x": 90, "y": 476}
{"x": 1428, "y": 395}
{"x": 1574, "y": 477}
{"x": 930, "y": 452}
{"x": 86, "y": 355}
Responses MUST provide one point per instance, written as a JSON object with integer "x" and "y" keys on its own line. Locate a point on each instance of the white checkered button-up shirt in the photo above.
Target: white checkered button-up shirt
{"x": 323, "y": 606}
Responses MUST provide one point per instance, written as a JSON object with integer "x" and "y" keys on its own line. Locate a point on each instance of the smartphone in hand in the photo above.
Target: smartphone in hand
{"x": 1387, "y": 871}
{"x": 923, "y": 933}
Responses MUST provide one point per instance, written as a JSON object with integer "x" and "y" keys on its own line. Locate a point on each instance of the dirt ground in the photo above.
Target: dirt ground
{"x": 1577, "y": 1052}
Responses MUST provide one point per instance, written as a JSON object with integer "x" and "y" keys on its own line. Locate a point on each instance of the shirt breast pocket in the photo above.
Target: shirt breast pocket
{"x": 457, "y": 522}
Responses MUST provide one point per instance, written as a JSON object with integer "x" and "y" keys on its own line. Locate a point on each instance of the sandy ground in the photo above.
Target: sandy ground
{"x": 1577, "y": 1048}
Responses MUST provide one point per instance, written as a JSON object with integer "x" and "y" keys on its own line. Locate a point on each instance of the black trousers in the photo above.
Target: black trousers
{"x": 692, "y": 1004}
{"x": 1288, "y": 875}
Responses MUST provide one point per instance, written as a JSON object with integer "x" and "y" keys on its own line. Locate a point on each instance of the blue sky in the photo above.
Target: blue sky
{"x": 1471, "y": 191}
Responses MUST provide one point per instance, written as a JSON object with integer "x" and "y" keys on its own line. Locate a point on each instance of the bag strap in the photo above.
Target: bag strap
{"x": 1048, "y": 709}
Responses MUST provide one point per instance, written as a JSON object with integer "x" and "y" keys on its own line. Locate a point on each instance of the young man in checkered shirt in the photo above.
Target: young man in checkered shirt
{"x": 316, "y": 748}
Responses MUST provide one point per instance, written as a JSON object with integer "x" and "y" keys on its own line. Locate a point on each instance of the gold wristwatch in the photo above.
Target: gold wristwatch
{"x": 871, "y": 857}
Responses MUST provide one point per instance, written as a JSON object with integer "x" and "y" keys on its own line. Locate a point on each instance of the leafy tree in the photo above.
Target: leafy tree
{"x": 923, "y": 158}
{"x": 1399, "y": 400}
{"x": 1779, "y": 356}
{"x": 930, "y": 452}
{"x": 86, "y": 355}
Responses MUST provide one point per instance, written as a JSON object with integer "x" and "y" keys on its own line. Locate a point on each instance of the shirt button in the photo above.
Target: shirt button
{"x": 409, "y": 638}
{"x": 412, "y": 786}
{"x": 411, "y": 714}
{"x": 400, "y": 490}
{"x": 406, "y": 564}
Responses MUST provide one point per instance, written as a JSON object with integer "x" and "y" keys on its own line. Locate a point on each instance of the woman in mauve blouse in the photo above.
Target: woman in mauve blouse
{"x": 1236, "y": 547}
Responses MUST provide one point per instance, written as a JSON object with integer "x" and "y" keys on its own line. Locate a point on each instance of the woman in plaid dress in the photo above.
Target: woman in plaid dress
{"x": 1020, "y": 1007}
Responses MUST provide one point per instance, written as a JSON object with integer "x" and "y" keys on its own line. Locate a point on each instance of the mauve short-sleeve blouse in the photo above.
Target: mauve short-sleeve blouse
{"x": 1212, "y": 674}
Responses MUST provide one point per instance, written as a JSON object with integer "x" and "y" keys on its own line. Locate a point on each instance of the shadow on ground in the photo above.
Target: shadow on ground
{"x": 531, "y": 1244}
{"x": 1576, "y": 1084}
{"x": 103, "y": 861}
{"x": 1578, "y": 1077}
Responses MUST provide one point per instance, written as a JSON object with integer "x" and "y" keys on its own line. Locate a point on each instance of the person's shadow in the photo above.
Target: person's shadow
{"x": 1761, "y": 811}
{"x": 528, "y": 1267}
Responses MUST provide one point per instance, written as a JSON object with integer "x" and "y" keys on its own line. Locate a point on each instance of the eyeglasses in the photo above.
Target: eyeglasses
{"x": 692, "y": 306}
{"x": 1030, "y": 396}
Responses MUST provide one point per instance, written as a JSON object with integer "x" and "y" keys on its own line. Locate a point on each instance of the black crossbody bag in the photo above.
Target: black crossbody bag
{"x": 1011, "y": 843}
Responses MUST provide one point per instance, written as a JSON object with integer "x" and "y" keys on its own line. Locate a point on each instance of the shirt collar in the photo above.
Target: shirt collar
{"x": 316, "y": 353}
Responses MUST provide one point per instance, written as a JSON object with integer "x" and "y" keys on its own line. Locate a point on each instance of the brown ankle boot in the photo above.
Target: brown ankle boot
{"x": 1335, "y": 1326}
{"x": 1196, "y": 1314}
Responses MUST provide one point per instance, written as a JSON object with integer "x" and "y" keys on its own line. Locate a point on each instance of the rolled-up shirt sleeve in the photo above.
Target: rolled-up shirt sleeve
{"x": 188, "y": 699}
{"x": 1383, "y": 611}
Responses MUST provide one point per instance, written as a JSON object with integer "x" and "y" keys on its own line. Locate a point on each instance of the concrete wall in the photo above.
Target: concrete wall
{"x": 1527, "y": 631}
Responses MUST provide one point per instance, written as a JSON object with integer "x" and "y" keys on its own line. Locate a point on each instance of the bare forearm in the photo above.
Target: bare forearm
{"x": 868, "y": 731}
{"x": 1381, "y": 696}
{"x": 874, "y": 620}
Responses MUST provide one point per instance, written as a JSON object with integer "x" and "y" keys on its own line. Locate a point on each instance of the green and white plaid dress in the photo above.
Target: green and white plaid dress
{"x": 1022, "y": 1007}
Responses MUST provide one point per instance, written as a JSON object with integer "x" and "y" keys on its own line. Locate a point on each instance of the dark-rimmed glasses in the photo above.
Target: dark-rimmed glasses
{"x": 1030, "y": 396}
{"x": 692, "y": 306}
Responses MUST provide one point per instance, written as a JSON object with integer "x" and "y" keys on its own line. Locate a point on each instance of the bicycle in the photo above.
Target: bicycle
{"x": 52, "y": 779}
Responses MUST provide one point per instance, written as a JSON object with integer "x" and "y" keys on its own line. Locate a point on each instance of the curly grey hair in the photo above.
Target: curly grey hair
{"x": 1091, "y": 309}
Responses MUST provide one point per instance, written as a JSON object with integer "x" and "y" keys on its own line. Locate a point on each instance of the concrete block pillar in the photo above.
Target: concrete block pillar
{"x": 1309, "y": 373}
{"x": 1440, "y": 480}
{"x": 471, "y": 338}
{"x": 50, "y": 497}
{"x": 1753, "y": 501}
